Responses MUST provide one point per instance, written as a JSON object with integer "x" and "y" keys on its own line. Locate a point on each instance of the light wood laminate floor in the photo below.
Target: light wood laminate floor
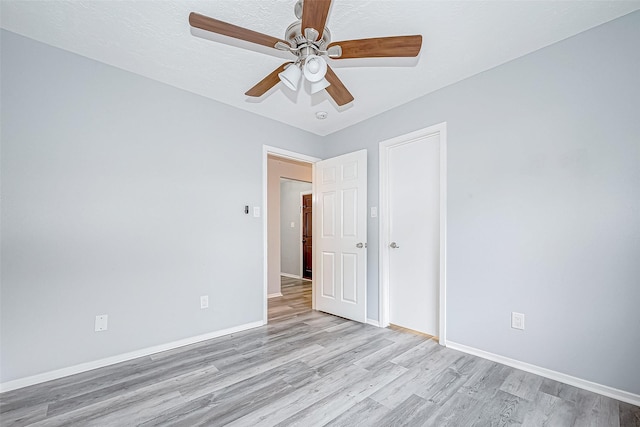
{"x": 295, "y": 299}
{"x": 307, "y": 368}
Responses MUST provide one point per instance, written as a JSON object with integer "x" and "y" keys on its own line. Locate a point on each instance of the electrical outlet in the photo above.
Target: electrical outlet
{"x": 101, "y": 322}
{"x": 517, "y": 320}
{"x": 204, "y": 301}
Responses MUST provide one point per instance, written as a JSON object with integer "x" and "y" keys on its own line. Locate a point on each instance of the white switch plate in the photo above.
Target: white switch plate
{"x": 517, "y": 320}
{"x": 374, "y": 212}
{"x": 293, "y": 224}
{"x": 101, "y": 322}
{"x": 256, "y": 211}
{"x": 204, "y": 301}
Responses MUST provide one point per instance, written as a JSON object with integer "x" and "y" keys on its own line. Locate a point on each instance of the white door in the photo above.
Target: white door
{"x": 340, "y": 230}
{"x": 413, "y": 232}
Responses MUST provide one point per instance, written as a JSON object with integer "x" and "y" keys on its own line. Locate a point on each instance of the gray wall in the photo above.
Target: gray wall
{"x": 116, "y": 200}
{"x": 543, "y": 203}
{"x": 290, "y": 249}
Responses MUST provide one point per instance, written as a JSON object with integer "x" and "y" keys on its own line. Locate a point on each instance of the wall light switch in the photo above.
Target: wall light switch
{"x": 374, "y": 212}
{"x": 256, "y": 211}
{"x": 204, "y": 301}
{"x": 517, "y": 320}
{"x": 293, "y": 224}
{"x": 101, "y": 322}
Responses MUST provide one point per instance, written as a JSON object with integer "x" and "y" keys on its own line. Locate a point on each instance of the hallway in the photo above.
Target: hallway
{"x": 295, "y": 299}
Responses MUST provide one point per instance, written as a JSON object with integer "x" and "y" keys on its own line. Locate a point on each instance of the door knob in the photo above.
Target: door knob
{"x": 359, "y": 246}
{"x": 393, "y": 245}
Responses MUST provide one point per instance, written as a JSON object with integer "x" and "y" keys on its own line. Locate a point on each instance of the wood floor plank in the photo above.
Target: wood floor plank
{"x": 459, "y": 410}
{"x": 223, "y": 406}
{"x": 158, "y": 373}
{"x": 224, "y": 380}
{"x": 367, "y": 412}
{"x": 236, "y": 400}
{"x": 410, "y": 412}
{"x": 402, "y": 387}
{"x": 547, "y": 410}
{"x": 307, "y": 395}
{"x": 125, "y": 409}
{"x": 350, "y": 341}
{"x": 398, "y": 346}
{"x": 417, "y": 354}
{"x": 629, "y": 415}
{"x": 420, "y": 376}
{"x": 563, "y": 391}
{"x": 447, "y": 383}
{"x": 350, "y": 357}
{"x": 503, "y": 409}
{"x": 485, "y": 382}
{"x": 309, "y": 368}
{"x": 591, "y": 409}
{"x": 522, "y": 384}
{"x": 69, "y": 386}
{"x": 24, "y": 415}
{"x": 340, "y": 401}
{"x": 596, "y": 411}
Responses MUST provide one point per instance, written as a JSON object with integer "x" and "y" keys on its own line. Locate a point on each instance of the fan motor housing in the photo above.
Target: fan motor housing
{"x": 294, "y": 36}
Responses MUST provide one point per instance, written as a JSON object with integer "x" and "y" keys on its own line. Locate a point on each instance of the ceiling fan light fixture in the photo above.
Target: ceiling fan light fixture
{"x": 319, "y": 85}
{"x": 315, "y": 68}
{"x": 309, "y": 40}
{"x": 291, "y": 76}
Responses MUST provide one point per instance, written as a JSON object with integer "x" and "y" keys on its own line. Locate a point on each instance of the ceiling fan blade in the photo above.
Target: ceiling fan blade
{"x": 267, "y": 83}
{"x": 336, "y": 89}
{"x": 380, "y": 47}
{"x": 314, "y": 15}
{"x": 230, "y": 30}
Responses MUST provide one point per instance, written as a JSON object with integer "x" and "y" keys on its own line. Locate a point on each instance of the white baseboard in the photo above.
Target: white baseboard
{"x": 279, "y": 294}
{"x": 604, "y": 390}
{"x": 83, "y": 367}
{"x": 373, "y": 323}
{"x": 292, "y": 276}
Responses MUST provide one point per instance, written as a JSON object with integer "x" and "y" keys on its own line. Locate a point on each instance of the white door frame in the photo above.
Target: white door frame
{"x": 301, "y": 248}
{"x": 383, "y": 267}
{"x": 279, "y": 152}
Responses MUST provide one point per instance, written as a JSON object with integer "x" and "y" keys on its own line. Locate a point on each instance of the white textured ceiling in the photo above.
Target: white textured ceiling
{"x": 154, "y": 39}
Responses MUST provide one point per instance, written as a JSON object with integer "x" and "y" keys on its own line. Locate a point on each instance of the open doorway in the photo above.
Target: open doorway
{"x": 306, "y": 234}
{"x": 296, "y": 253}
{"x": 295, "y": 229}
{"x": 340, "y": 251}
{"x": 287, "y": 176}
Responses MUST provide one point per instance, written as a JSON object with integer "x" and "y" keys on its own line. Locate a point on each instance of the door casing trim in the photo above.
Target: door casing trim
{"x": 383, "y": 247}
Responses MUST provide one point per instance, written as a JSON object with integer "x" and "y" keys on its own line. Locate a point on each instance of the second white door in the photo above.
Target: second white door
{"x": 414, "y": 233}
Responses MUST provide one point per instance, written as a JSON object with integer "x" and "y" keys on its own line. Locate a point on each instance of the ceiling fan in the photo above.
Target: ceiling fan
{"x": 309, "y": 41}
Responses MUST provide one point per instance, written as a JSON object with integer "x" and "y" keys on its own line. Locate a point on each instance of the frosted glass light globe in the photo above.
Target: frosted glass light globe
{"x": 315, "y": 68}
{"x": 313, "y": 65}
